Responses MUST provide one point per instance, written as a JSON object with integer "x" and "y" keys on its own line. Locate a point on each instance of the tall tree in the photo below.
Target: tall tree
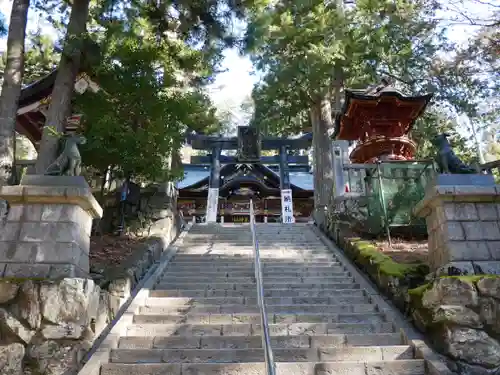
{"x": 62, "y": 93}
{"x": 11, "y": 87}
{"x": 310, "y": 51}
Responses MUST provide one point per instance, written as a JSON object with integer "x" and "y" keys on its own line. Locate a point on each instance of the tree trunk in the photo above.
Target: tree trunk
{"x": 321, "y": 118}
{"x": 11, "y": 88}
{"x": 62, "y": 93}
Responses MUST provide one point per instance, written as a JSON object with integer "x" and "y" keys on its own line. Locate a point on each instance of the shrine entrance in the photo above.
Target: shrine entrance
{"x": 227, "y": 195}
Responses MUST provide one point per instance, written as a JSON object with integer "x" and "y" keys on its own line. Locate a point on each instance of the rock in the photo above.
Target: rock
{"x": 8, "y": 291}
{"x": 10, "y": 325}
{"x": 11, "y": 359}
{"x": 121, "y": 287}
{"x": 63, "y": 331}
{"x": 466, "y": 369}
{"x": 490, "y": 287}
{"x": 489, "y": 310}
{"x": 162, "y": 226}
{"x": 70, "y": 300}
{"x": 458, "y": 315}
{"x": 53, "y": 358}
{"x": 472, "y": 346}
{"x": 451, "y": 291}
{"x": 28, "y": 306}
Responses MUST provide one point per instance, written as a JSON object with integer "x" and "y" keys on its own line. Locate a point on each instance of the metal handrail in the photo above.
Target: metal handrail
{"x": 266, "y": 338}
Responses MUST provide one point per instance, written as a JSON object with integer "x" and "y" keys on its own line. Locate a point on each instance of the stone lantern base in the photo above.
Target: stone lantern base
{"x": 463, "y": 216}
{"x": 46, "y": 232}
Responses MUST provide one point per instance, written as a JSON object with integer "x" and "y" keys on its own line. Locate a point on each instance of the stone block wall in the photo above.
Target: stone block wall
{"x": 463, "y": 223}
{"x": 53, "y": 238}
{"x": 46, "y": 233}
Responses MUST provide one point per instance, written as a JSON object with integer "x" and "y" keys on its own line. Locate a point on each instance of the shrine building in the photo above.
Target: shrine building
{"x": 219, "y": 187}
{"x": 379, "y": 121}
{"x": 240, "y": 182}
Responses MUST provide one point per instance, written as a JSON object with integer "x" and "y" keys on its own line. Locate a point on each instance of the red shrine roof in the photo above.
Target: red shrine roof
{"x": 381, "y": 110}
{"x": 35, "y": 99}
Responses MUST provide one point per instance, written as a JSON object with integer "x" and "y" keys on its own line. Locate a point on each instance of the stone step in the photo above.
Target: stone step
{"x": 272, "y": 309}
{"x": 364, "y": 353}
{"x": 168, "y": 279}
{"x": 210, "y": 245}
{"x": 245, "y": 329}
{"x": 252, "y": 286}
{"x": 269, "y": 251}
{"x": 251, "y": 273}
{"x": 264, "y": 263}
{"x": 279, "y": 264}
{"x": 255, "y": 342}
{"x": 250, "y": 301}
{"x": 221, "y": 257}
{"x": 255, "y": 318}
{"x": 291, "y": 255}
{"x": 401, "y": 367}
{"x": 281, "y": 257}
{"x": 252, "y": 293}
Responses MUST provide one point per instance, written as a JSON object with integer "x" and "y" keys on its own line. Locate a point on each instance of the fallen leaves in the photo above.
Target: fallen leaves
{"x": 108, "y": 250}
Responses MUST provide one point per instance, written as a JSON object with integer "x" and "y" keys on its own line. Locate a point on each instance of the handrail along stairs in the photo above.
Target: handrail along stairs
{"x": 266, "y": 339}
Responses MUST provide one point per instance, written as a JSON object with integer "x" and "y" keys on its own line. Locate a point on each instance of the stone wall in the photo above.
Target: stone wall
{"x": 463, "y": 223}
{"x": 47, "y": 326}
{"x": 393, "y": 279}
{"x": 153, "y": 205}
{"x": 46, "y": 233}
{"x": 461, "y": 316}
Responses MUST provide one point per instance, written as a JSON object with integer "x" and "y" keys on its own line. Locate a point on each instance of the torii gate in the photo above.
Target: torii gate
{"x": 249, "y": 144}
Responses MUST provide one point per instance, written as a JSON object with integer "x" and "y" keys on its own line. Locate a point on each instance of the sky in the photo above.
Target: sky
{"x": 232, "y": 86}
{"x": 229, "y": 89}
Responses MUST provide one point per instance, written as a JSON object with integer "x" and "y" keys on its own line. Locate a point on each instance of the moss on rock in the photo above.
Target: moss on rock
{"x": 367, "y": 254}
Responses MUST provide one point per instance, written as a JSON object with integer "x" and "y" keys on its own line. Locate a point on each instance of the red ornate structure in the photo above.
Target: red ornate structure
{"x": 380, "y": 120}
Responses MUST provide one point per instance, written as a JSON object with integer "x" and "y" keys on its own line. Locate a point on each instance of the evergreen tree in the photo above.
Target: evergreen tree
{"x": 11, "y": 86}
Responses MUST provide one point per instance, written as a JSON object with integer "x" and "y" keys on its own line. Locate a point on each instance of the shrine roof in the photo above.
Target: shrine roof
{"x": 34, "y": 99}
{"x": 382, "y": 105}
{"x": 192, "y": 174}
{"x": 197, "y": 176}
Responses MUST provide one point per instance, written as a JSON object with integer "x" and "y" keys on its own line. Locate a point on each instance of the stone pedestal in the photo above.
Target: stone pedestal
{"x": 463, "y": 222}
{"x": 46, "y": 233}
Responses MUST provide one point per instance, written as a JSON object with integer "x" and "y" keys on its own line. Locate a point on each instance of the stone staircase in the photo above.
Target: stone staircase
{"x": 202, "y": 317}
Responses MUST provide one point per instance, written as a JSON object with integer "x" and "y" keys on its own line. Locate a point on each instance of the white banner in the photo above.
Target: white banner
{"x": 212, "y": 205}
{"x": 287, "y": 206}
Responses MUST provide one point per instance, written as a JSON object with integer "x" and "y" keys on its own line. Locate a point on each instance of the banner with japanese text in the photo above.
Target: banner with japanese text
{"x": 287, "y": 206}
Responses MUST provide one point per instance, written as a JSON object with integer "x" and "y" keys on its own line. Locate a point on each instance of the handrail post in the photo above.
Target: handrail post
{"x": 266, "y": 338}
